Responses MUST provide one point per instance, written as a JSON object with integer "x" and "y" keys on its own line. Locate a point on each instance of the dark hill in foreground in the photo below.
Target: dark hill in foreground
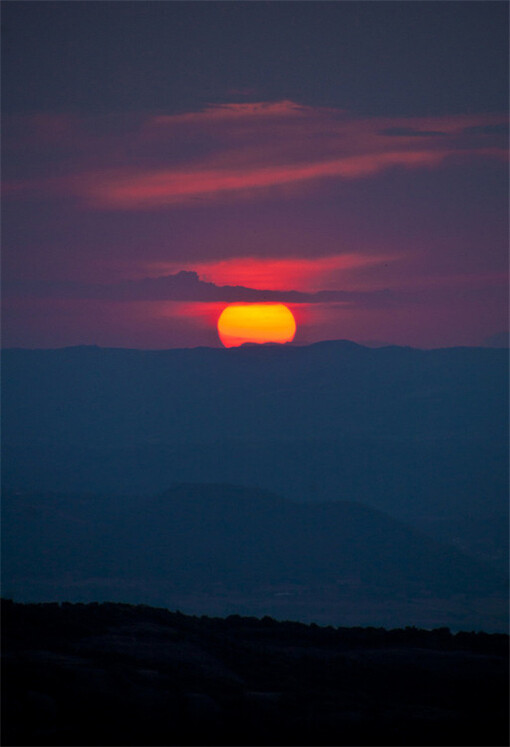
{"x": 114, "y": 674}
{"x": 221, "y": 549}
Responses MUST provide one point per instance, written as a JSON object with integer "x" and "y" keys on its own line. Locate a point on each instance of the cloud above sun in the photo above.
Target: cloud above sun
{"x": 187, "y": 286}
{"x": 240, "y": 151}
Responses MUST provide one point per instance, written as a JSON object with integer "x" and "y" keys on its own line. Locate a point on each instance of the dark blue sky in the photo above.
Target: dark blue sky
{"x": 375, "y": 58}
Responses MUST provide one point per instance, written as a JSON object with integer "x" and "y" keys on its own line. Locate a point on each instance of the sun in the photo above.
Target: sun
{"x": 256, "y": 322}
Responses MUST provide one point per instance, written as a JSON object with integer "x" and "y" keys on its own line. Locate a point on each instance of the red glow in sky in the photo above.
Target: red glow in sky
{"x": 274, "y": 273}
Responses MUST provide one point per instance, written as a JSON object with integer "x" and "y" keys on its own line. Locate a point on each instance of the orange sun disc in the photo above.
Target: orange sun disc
{"x": 256, "y": 322}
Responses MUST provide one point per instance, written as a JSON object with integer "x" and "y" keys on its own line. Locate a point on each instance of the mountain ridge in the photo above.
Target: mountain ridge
{"x": 340, "y": 342}
{"x": 233, "y": 549}
{"x": 419, "y": 435}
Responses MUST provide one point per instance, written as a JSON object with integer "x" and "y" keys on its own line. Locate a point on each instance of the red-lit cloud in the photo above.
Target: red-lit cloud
{"x": 242, "y": 150}
{"x": 274, "y": 273}
{"x": 159, "y": 188}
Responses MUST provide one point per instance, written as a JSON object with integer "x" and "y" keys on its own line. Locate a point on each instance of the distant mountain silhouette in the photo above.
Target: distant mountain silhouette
{"x": 422, "y": 435}
{"x": 118, "y": 398}
{"x": 230, "y": 549}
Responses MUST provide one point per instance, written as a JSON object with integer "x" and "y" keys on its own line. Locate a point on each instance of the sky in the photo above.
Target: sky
{"x": 161, "y": 160}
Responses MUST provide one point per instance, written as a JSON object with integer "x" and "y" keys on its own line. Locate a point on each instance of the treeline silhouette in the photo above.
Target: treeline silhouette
{"x": 112, "y": 674}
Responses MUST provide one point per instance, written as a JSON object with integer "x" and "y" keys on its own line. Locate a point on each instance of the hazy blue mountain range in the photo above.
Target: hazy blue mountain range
{"x": 118, "y": 398}
{"x": 422, "y": 435}
{"x": 221, "y": 549}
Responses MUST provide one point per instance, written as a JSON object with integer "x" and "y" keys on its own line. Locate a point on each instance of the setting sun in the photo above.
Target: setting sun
{"x": 256, "y": 322}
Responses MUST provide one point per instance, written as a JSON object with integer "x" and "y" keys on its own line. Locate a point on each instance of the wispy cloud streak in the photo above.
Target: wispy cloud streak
{"x": 229, "y": 151}
{"x": 155, "y": 189}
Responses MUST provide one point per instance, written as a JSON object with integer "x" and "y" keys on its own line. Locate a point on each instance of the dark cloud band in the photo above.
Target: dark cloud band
{"x": 187, "y": 286}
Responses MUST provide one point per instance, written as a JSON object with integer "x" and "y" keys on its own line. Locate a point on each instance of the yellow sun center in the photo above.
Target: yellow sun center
{"x": 256, "y": 322}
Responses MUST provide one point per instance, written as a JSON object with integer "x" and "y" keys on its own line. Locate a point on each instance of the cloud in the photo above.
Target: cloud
{"x": 156, "y": 189}
{"x": 491, "y": 129}
{"x": 187, "y": 286}
{"x": 229, "y": 151}
{"x": 410, "y": 132}
{"x": 279, "y": 273}
{"x": 240, "y": 111}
